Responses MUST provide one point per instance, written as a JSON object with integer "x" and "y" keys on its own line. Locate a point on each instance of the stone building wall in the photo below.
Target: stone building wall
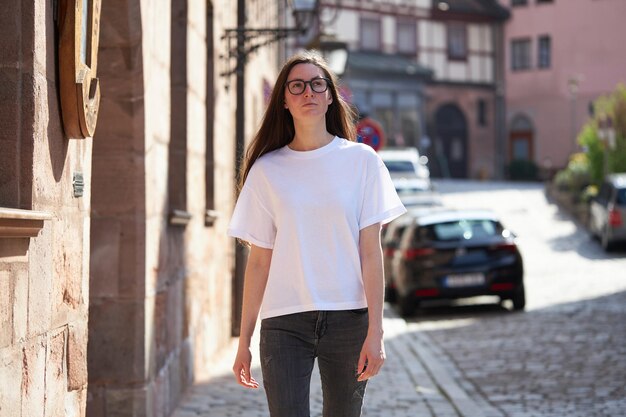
{"x": 44, "y": 228}
{"x": 163, "y": 191}
{"x": 128, "y": 288}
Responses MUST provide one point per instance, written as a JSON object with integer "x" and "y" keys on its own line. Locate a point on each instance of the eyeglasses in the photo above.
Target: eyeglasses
{"x": 318, "y": 85}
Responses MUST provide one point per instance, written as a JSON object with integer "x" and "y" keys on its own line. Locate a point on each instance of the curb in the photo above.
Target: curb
{"x": 440, "y": 368}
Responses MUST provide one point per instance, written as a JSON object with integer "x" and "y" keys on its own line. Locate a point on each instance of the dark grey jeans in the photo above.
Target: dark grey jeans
{"x": 289, "y": 346}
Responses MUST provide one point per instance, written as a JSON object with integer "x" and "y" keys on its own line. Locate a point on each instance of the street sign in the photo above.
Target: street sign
{"x": 370, "y": 132}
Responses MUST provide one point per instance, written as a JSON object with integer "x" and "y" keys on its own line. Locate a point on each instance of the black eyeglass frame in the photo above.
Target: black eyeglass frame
{"x": 310, "y": 83}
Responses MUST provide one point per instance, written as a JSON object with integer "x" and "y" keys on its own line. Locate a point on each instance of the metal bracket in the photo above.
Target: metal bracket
{"x": 250, "y": 40}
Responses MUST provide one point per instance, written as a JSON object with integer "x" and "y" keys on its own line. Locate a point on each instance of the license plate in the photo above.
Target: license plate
{"x": 465, "y": 280}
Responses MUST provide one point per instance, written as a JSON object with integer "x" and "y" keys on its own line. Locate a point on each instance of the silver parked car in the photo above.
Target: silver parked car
{"x": 607, "y": 211}
{"x": 408, "y": 169}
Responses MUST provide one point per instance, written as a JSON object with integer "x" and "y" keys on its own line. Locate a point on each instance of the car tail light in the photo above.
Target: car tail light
{"x": 615, "y": 218}
{"x": 505, "y": 247}
{"x": 502, "y": 286}
{"x": 427, "y": 292}
{"x": 389, "y": 252}
{"x": 413, "y": 253}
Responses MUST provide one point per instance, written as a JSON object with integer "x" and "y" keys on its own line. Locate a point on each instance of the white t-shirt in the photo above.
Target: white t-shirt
{"x": 308, "y": 207}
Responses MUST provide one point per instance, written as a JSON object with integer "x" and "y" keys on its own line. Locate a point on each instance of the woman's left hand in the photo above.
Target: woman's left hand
{"x": 371, "y": 358}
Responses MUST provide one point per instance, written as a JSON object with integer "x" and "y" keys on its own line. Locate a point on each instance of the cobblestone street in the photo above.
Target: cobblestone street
{"x": 563, "y": 356}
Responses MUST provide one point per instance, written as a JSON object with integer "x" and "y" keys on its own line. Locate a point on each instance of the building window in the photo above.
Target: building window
{"x": 520, "y": 54}
{"x": 519, "y": 3}
{"x": 370, "y": 34}
{"x": 544, "y": 52}
{"x": 407, "y": 37}
{"x": 457, "y": 41}
{"x": 482, "y": 112}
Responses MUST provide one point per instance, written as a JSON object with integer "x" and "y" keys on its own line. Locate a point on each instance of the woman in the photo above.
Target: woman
{"x": 311, "y": 206}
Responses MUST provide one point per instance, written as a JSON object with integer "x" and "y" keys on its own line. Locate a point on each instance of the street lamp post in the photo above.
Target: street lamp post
{"x": 240, "y": 43}
{"x": 572, "y": 86}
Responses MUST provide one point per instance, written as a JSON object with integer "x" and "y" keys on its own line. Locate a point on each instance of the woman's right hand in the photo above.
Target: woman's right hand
{"x": 241, "y": 368}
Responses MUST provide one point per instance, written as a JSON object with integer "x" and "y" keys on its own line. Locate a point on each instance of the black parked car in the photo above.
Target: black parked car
{"x": 455, "y": 254}
{"x": 390, "y": 240}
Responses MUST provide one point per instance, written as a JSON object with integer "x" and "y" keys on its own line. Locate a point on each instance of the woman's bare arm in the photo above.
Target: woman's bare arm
{"x": 255, "y": 280}
{"x": 373, "y": 351}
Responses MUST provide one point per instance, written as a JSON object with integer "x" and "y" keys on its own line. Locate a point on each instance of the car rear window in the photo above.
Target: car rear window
{"x": 399, "y": 166}
{"x": 463, "y": 230}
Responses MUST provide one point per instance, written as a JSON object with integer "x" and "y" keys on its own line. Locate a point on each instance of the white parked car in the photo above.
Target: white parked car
{"x": 409, "y": 172}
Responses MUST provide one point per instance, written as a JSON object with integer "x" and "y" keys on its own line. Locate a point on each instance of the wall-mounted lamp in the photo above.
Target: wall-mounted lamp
{"x": 242, "y": 41}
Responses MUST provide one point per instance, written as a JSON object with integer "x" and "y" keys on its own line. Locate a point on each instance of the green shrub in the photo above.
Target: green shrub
{"x": 522, "y": 170}
{"x": 575, "y": 177}
{"x": 614, "y": 106}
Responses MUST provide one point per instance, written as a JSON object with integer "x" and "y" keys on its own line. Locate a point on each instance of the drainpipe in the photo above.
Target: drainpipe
{"x": 240, "y": 252}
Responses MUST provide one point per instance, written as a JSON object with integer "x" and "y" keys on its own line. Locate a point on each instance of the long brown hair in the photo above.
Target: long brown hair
{"x": 277, "y": 128}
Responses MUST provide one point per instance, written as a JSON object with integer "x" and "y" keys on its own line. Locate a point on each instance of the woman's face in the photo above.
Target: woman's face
{"x": 314, "y": 98}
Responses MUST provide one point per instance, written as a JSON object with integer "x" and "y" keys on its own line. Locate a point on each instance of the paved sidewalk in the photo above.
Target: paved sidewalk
{"x": 417, "y": 380}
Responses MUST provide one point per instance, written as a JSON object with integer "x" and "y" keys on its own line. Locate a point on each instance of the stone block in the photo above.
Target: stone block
{"x": 120, "y": 23}
{"x": 121, "y": 69}
{"x": 105, "y": 257}
{"x": 76, "y": 404}
{"x": 116, "y": 348}
{"x": 160, "y": 323}
{"x": 40, "y": 283}
{"x": 186, "y": 363}
{"x": 76, "y": 357}
{"x": 10, "y": 41}
{"x": 96, "y": 401}
{"x": 120, "y": 125}
{"x": 160, "y": 393}
{"x": 9, "y": 136}
{"x": 68, "y": 265}
{"x": 132, "y": 271}
{"x": 175, "y": 312}
{"x": 127, "y": 402}
{"x": 6, "y": 308}
{"x": 20, "y": 306}
{"x": 55, "y": 380}
{"x": 11, "y": 381}
{"x": 175, "y": 384}
{"x": 117, "y": 174}
{"x": 33, "y": 376}
{"x": 14, "y": 303}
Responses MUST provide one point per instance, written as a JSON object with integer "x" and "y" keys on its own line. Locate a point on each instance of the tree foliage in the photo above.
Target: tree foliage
{"x": 612, "y": 105}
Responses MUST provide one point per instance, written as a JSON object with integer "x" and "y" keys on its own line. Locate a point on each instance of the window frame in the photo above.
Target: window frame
{"x": 515, "y": 65}
{"x": 413, "y": 28}
{"x": 481, "y": 112}
{"x": 376, "y": 22}
{"x": 451, "y": 27}
{"x": 544, "y": 56}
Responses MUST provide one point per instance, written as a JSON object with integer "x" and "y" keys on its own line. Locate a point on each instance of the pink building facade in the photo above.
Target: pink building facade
{"x": 560, "y": 56}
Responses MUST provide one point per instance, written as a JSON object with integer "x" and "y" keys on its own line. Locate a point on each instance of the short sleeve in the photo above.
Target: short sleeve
{"x": 251, "y": 220}
{"x": 381, "y": 203}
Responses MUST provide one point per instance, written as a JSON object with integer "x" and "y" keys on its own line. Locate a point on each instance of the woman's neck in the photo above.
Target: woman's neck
{"x": 308, "y": 138}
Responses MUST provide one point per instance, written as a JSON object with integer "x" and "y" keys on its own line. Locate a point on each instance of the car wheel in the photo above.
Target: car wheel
{"x": 407, "y": 305}
{"x": 519, "y": 299}
{"x": 390, "y": 294}
{"x": 607, "y": 245}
